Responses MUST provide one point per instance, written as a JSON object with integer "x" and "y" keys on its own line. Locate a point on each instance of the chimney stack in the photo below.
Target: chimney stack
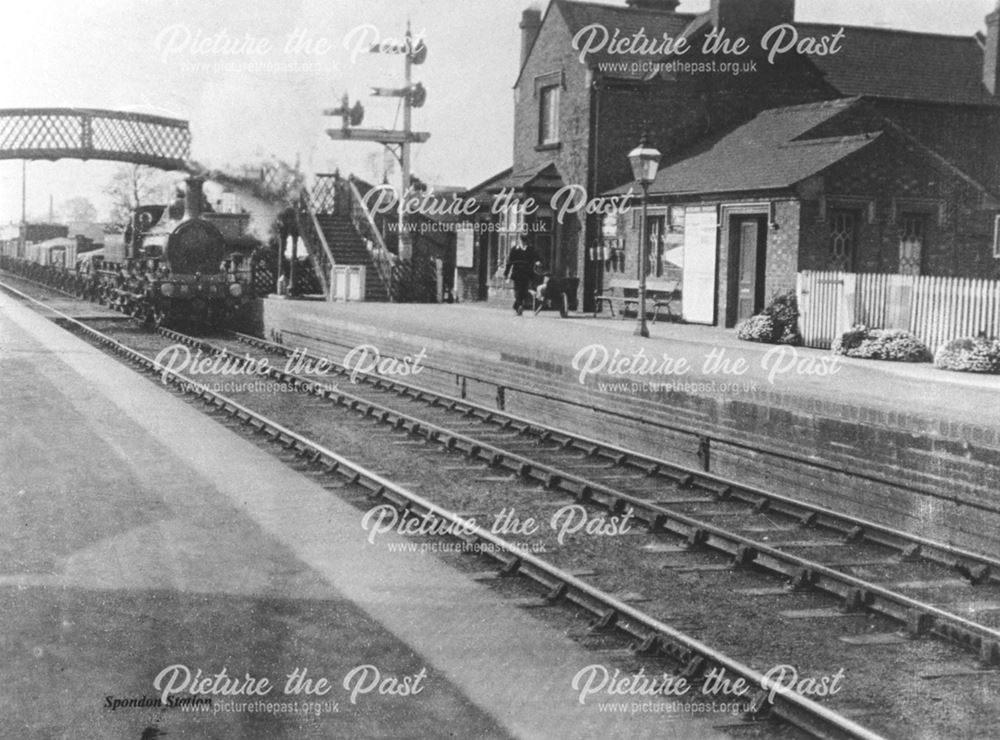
{"x": 667, "y": 6}
{"x": 751, "y": 18}
{"x": 991, "y": 52}
{"x": 531, "y": 24}
{"x": 193, "y": 196}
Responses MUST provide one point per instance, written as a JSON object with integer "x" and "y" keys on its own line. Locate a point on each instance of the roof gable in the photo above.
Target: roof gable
{"x": 773, "y": 151}
{"x": 626, "y": 20}
{"x": 879, "y": 62}
{"x": 783, "y": 147}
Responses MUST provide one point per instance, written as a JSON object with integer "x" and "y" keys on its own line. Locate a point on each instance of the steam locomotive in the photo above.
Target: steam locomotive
{"x": 172, "y": 266}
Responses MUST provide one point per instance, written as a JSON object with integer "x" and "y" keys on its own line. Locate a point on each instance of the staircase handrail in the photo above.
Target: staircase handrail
{"x": 384, "y": 259}
{"x": 323, "y": 270}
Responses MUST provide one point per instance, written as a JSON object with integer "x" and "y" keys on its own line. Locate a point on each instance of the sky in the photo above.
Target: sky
{"x": 286, "y": 60}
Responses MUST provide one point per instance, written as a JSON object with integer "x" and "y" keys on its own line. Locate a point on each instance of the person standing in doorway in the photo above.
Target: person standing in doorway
{"x": 521, "y": 269}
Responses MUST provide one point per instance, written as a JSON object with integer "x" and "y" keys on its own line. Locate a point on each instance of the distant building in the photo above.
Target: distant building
{"x": 92, "y": 232}
{"x": 882, "y": 156}
{"x": 10, "y": 235}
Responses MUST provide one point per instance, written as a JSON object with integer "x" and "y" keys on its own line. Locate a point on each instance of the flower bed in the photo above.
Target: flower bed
{"x": 893, "y": 345}
{"x": 970, "y": 355}
{"x": 777, "y": 324}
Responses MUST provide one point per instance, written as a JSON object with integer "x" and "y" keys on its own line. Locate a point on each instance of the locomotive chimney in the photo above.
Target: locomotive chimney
{"x": 193, "y": 198}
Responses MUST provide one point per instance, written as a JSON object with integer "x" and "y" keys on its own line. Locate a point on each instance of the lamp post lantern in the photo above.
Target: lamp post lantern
{"x": 645, "y": 161}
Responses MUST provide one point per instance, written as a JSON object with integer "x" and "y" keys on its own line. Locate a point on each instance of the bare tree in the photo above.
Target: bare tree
{"x": 78, "y": 209}
{"x": 132, "y": 186}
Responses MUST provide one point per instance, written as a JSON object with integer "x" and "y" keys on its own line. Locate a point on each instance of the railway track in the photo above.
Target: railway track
{"x": 701, "y": 524}
{"x": 670, "y": 498}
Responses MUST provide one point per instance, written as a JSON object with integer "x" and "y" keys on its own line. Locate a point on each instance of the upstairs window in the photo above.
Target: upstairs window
{"x": 548, "y": 125}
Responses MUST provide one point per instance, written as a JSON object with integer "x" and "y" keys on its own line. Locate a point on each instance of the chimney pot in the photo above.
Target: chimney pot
{"x": 751, "y": 18}
{"x": 531, "y": 24}
{"x": 991, "y": 52}
{"x": 667, "y": 6}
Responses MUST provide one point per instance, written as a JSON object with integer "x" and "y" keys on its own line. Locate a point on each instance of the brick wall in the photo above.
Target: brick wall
{"x": 781, "y": 254}
{"x": 969, "y": 136}
{"x": 598, "y": 131}
{"x": 760, "y": 438}
{"x": 553, "y": 54}
{"x": 887, "y": 179}
{"x": 783, "y": 249}
{"x": 601, "y": 120}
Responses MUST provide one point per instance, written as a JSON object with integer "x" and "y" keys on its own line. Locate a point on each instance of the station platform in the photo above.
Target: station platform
{"x": 139, "y": 536}
{"x": 763, "y": 409}
{"x": 920, "y": 396}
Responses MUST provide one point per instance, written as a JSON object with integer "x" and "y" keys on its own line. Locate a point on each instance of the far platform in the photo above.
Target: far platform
{"x": 919, "y": 395}
{"x": 909, "y": 445}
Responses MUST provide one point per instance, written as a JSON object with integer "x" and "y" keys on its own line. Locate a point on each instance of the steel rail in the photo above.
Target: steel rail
{"x": 979, "y": 567}
{"x": 919, "y": 617}
{"x": 561, "y": 585}
{"x": 723, "y": 439}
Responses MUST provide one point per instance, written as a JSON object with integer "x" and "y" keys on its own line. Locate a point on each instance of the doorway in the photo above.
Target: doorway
{"x": 749, "y": 246}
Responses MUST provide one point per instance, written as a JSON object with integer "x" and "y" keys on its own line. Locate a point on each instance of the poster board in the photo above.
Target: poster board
{"x": 700, "y": 258}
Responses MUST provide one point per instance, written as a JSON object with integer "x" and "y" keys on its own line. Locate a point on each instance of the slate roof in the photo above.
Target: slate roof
{"x": 877, "y": 62}
{"x": 482, "y": 191}
{"x": 880, "y": 62}
{"x": 621, "y": 17}
{"x": 771, "y": 152}
{"x": 541, "y": 177}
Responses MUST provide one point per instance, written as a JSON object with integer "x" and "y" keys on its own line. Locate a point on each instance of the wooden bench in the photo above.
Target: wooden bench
{"x": 625, "y": 295}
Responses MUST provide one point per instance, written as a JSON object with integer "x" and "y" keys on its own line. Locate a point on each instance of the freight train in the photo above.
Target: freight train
{"x": 172, "y": 266}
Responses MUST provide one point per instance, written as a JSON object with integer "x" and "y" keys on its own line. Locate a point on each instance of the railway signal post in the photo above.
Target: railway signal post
{"x": 412, "y": 96}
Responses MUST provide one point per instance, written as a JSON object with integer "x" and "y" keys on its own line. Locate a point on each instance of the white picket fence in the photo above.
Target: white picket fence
{"x": 935, "y": 309}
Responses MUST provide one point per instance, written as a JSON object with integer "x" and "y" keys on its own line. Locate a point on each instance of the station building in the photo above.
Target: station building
{"x": 864, "y": 149}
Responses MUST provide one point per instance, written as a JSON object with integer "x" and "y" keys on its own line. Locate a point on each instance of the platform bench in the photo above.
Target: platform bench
{"x": 625, "y": 295}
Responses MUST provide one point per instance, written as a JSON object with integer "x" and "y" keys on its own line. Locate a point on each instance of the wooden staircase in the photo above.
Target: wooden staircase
{"x": 348, "y": 248}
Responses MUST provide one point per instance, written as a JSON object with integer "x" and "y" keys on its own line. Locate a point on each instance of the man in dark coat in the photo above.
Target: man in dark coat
{"x": 521, "y": 269}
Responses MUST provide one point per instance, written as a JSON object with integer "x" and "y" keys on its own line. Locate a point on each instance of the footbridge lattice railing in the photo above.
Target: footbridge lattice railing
{"x": 84, "y": 133}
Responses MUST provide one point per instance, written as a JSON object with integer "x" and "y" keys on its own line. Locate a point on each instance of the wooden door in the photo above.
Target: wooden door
{"x": 750, "y": 267}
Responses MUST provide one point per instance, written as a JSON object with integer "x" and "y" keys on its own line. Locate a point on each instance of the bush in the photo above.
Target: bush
{"x": 759, "y": 328}
{"x": 970, "y": 355}
{"x": 776, "y": 324}
{"x": 881, "y": 344}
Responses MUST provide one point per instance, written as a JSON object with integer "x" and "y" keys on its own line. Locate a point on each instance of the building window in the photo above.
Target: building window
{"x": 675, "y": 218}
{"x": 912, "y": 242}
{"x": 548, "y": 127}
{"x": 611, "y": 251}
{"x": 655, "y": 227}
{"x": 996, "y": 238}
{"x": 843, "y": 239}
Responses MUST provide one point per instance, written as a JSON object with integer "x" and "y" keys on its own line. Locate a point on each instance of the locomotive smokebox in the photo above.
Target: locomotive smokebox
{"x": 193, "y": 197}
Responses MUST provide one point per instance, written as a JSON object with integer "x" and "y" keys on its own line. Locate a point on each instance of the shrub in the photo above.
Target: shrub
{"x": 970, "y": 355}
{"x": 881, "y": 344}
{"x": 776, "y": 324}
